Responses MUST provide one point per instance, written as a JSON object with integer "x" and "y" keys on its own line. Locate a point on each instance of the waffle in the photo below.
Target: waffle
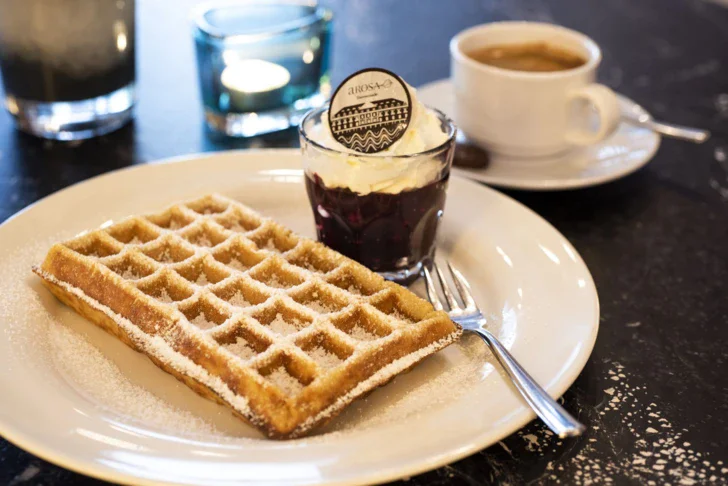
{"x": 279, "y": 328}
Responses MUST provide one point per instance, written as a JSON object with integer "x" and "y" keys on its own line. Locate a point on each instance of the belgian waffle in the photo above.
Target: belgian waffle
{"x": 281, "y": 329}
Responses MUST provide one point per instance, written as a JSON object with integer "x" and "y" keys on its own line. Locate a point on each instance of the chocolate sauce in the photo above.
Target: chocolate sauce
{"x": 385, "y": 232}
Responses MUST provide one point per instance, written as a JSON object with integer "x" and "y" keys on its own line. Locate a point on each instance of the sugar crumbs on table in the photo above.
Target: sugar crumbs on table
{"x": 661, "y": 460}
{"x": 203, "y": 322}
{"x": 26, "y": 475}
{"x": 283, "y": 380}
{"x": 324, "y": 358}
{"x": 241, "y": 348}
{"x": 238, "y": 300}
{"x": 282, "y": 326}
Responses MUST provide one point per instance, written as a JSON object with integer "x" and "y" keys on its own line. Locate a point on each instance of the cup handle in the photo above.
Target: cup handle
{"x": 605, "y": 102}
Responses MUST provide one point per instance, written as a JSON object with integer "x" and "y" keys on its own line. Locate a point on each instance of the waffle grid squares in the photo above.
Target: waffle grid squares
{"x": 287, "y": 308}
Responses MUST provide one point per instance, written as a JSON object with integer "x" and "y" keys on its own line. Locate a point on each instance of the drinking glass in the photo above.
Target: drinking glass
{"x": 68, "y": 65}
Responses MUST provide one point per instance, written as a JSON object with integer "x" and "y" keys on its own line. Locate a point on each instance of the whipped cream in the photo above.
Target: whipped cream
{"x": 381, "y": 172}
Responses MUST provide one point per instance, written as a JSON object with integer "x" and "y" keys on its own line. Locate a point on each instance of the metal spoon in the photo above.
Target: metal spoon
{"x": 637, "y": 115}
{"x": 471, "y": 156}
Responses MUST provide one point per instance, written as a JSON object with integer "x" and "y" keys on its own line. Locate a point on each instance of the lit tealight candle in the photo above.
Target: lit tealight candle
{"x": 254, "y": 84}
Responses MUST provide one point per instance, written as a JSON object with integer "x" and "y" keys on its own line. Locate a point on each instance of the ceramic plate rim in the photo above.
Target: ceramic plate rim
{"x": 91, "y": 468}
{"x": 480, "y": 175}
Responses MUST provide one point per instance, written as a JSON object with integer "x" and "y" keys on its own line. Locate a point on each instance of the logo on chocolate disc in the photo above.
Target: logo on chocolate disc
{"x": 370, "y": 110}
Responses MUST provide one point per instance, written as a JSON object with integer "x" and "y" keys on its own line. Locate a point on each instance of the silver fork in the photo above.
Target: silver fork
{"x": 471, "y": 319}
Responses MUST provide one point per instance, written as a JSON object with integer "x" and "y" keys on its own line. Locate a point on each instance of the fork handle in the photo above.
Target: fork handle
{"x": 554, "y": 416}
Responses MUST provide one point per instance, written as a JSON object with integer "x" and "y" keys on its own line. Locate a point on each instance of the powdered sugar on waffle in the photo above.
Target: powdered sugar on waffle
{"x": 440, "y": 387}
{"x": 164, "y": 297}
{"x": 281, "y": 326}
{"x": 353, "y": 290}
{"x": 397, "y": 367}
{"x": 241, "y": 348}
{"x": 275, "y": 282}
{"x": 320, "y": 307}
{"x": 237, "y": 265}
{"x": 238, "y": 299}
{"x": 237, "y": 228}
{"x": 324, "y": 358}
{"x": 283, "y": 380}
{"x": 270, "y": 245}
{"x": 361, "y": 334}
{"x": 166, "y": 256}
{"x": 203, "y": 241}
{"x": 29, "y": 324}
{"x": 274, "y": 272}
{"x": 158, "y": 347}
{"x": 35, "y": 332}
{"x": 203, "y": 322}
{"x": 130, "y": 274}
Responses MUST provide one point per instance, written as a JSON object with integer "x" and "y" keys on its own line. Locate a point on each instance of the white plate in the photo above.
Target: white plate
{"x": 625, "y": 151}
{"x": 94, "y": 414}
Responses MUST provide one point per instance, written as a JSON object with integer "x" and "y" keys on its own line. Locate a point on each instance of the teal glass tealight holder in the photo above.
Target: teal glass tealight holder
{"x": 262, "y": 64}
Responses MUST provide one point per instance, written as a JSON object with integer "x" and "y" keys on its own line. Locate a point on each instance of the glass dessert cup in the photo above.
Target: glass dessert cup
{"x": 382, "y": 210}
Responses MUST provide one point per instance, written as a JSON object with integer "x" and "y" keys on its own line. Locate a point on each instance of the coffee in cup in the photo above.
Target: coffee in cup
{"x": 539, "y": 57}
{"x": 527, "y": 89}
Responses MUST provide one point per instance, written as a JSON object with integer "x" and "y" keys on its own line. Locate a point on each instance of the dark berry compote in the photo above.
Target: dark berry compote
{"x": 385, "y": 232}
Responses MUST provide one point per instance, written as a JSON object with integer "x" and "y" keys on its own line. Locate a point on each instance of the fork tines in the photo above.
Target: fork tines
{"x": 462, "y": 286}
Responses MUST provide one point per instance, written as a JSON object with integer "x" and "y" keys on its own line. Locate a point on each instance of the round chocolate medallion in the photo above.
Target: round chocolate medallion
{"x": 370, "y": 110}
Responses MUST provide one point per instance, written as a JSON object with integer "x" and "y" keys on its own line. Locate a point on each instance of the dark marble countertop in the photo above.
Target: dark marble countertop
{"x": 655, "y": 392}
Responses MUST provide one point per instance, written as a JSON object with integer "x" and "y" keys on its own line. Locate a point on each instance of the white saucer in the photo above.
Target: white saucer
{"x": 628, "y": 149}
{"x": 78, "y": 397}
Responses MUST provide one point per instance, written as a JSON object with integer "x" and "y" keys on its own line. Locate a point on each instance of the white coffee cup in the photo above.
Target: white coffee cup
{"x": 530, "y": 114}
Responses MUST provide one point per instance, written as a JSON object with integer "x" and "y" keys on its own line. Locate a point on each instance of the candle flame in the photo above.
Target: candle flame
{"x": 254, "y": 76}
